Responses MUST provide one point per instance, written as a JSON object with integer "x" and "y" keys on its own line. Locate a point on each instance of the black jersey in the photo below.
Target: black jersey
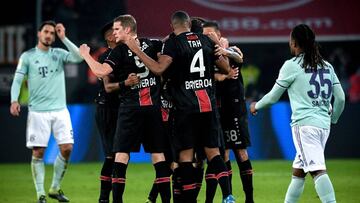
{"x": 102, "y": 97}
{"x": 191, "y": 73}
{"x": 124, "y": 61}
{"x": 231, "y": 89}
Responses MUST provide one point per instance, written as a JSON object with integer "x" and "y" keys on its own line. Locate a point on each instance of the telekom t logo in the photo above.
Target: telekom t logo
{"x": 43, "y": 70}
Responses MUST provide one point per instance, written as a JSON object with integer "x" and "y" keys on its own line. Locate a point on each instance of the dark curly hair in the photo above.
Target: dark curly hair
{"x": 304, "y": 37}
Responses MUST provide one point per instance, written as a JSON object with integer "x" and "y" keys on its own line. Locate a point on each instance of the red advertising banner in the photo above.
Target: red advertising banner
{"x": 254, "y": 20}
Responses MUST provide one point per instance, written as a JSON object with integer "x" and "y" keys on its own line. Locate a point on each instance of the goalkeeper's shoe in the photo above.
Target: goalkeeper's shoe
{"x": 42, "y": 199}
{"x": 58, "y": 195}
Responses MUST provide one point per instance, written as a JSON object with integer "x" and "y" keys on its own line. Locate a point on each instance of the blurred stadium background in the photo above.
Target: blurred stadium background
{"x": 260, "y": 28}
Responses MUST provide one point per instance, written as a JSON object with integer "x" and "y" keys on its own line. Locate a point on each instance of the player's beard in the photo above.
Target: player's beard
{"x": 46, "y": 42}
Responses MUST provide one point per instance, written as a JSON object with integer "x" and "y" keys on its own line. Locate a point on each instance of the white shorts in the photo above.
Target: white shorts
{"x": 41, "y": 124}
{"x": 310, "y": 143}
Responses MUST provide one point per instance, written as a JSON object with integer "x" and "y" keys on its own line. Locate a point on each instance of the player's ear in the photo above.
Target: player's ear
{"x": 127, "y": 30}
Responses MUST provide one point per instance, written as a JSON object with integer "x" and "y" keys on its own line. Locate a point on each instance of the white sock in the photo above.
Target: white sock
{"x": 295, "y": 189}
{"x": 324, "y": 188}
{"x": 60, "y": 166}
{"x": 38, "y": 174}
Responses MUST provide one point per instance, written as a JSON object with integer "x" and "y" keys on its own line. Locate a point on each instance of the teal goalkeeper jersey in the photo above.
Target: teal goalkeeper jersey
{"x": 310, "y": 93}
{"x": 46, "y": 79}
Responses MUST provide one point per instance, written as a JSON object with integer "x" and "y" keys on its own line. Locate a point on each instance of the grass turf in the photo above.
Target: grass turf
{"x": 271, "y": 178}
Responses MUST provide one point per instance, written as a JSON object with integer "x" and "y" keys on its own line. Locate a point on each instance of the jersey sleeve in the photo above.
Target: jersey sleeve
{"x": 23, "y": 64}
{"x": 169, "y": 48}
{"x": 21, "y": 71}
{"x": 339, "y": 99}
{"x": 114, "y": 57}
{"x": 286, "y": 76}
{"x": 73, "y": 55}
{"x": 157, "y": 45}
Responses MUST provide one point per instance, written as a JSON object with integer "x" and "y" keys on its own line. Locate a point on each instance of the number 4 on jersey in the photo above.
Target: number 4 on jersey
{"x": 201, "y": 68}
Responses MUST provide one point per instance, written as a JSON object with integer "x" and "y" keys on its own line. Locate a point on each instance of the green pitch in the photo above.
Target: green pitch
{"x": 271, "y": 178}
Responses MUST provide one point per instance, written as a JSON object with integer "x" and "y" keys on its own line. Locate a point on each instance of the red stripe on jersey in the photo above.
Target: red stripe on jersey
{"x": 165, "y": 114}
{"x": 192, "y": 37}
{"x": 203, "y": 100}
{"x": 145, "y": 97}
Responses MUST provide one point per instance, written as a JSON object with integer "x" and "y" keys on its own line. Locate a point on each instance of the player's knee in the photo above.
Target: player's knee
{"x": 122, "y": 157}
{"x": 242, "y": 154}
{"x": 317, "y": 173}
{"x": 38, "y": 152}
{"x": 211, "y": 152}
{"x": 157, "y": 157}
{"x": 66, "y": 150}
{"x": 299, "y": 173}
{"x": 227, "y": 155}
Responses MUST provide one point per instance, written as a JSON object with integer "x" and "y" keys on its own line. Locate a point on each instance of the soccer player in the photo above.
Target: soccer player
{"x": 107, "y": 101}
{"x": 166, "y": 107}
{"x": 311, "y": 84}
{"x": 233, "y": 115}
{"x": 44, "y": 67}
{"x": 188, "y": 61}
{"x": 139, "y": 118}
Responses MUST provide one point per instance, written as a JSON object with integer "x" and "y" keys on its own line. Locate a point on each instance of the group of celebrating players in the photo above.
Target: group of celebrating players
{"x": 182, "y": 98}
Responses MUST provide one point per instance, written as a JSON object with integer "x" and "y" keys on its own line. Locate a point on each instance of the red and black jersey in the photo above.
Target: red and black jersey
{"x": 231, "y": 89}
{"x": 103, "y": 98}
{"x": 124, "y": 61}
{"x": 191, "y": 74}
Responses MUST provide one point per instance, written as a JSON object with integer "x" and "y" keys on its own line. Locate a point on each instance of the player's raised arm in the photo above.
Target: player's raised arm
{"x": 100, "y": 70}
{"x": 74, "y": 55}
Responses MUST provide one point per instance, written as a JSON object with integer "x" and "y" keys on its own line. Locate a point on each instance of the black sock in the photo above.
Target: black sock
{"x": 163, "y": 173}
{"x": 199, "y": 174}
{"x": 246, "y": 174}
{"x": 153, "y": 192}
{"x": 229, "y": 169}
{"x": 176, "y": 181}
{"x": 218, "y": 166}
{"x": 105, "y": 179}
{"x": 211, "y": 184}
{"x": 118, "y": 181}
{"x": 188, "y": 190}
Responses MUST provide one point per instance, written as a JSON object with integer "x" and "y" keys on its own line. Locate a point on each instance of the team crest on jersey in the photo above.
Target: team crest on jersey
{"x": 54, "y": 58}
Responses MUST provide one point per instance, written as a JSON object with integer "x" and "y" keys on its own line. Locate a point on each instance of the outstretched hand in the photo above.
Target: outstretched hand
{"x": 60, "y": 31}
{"x": 253, "y": 110}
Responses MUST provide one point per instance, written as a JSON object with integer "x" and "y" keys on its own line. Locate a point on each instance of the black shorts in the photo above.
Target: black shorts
{"x": 138, "y": 126}
{"x": 234, "y": 122}
{"x": 106, "y": 120}
{"x": 196, "y": 130}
